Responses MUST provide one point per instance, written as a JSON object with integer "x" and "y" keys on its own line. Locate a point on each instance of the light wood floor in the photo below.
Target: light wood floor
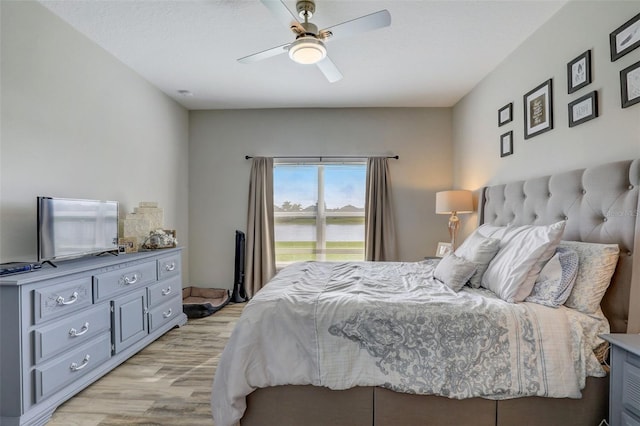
{"x": 167, "y": 383}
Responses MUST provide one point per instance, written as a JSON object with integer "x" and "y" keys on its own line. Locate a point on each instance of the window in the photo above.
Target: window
{"x": 319, "y": 212}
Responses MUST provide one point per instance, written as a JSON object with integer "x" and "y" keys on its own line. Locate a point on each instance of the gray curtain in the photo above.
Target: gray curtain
{"x": 380, "y": 233}
{"x": 260, "y": 264}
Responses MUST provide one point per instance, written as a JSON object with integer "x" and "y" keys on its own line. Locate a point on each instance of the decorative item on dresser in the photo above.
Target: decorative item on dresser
{"x": 624, "y": 387}
{"x": 63, "y": 328}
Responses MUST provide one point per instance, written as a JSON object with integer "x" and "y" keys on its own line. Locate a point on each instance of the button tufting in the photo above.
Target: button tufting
{"x": 584, "y": 191}
{"x": 630, "y": 186}
{"x": 629, "y": 253}
{"x": 566, "y": 218}
{"x": 604, "y": 219}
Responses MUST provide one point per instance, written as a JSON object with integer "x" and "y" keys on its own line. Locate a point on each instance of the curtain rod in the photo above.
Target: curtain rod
{"x": 395, "y": 157}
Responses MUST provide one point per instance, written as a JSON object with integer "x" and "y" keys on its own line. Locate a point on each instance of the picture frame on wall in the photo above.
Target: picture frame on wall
{"x": 625, "y": 38}
{"x": 506, "y": 144}
{"x": 583, "y": 109}
{"x": 630, "y": 85}
{"x": 505, "y": 114}
{"x": 538, "y": 110}
{"x": 579, "y": 72}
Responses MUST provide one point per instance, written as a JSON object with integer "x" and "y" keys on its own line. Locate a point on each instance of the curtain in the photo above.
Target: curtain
{"x": 380, "y": 234}
{"x": 260, "y": 264}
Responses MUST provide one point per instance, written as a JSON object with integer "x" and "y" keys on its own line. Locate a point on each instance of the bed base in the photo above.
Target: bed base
{"x": 371, "y": 406}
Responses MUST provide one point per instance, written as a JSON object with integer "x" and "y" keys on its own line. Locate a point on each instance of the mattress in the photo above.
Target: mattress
{"x": 392, "y": 325}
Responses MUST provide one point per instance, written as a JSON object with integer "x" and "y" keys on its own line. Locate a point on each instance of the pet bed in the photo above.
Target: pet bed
{"x": 202, "y": 302}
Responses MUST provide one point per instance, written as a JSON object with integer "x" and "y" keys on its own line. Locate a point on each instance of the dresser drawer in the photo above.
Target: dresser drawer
{"x": 111, "y": 283}
{"x": 629, "y": 420}
{"x": 61, "y": 299}
{"x": 631, "y": 386}
{"x": 163, "y": 291}
{"x": 68, "y": 332}
{"x": 70, "y": 366}
{"x": 165, "y": 313}
{"x": 169, "y": 266}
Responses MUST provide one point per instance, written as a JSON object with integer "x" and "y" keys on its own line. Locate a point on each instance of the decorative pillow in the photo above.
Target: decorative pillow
{"x": 523, "y": 252}
{"x": 454, "y": 271}
{"x": 597, "y": 263}
{"x": 479, "y": 250}
{"x": 554, "y": 284}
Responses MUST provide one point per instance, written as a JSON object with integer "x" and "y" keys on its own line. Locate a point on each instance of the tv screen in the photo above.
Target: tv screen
{"x": 70, "y": 228}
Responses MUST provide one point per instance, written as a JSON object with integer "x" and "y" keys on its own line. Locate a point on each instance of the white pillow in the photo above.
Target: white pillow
{"x": 554, "y": 284}
{"x": 454, "y": 271}
{"x": 488, "y": 230}
{"x": 479, "y": 250}
{"x": 523, "y": 252}
{"x": 597, "y": 263}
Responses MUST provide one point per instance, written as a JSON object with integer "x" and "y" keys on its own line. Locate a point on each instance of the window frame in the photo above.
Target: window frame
{"x": 321, "y": 215}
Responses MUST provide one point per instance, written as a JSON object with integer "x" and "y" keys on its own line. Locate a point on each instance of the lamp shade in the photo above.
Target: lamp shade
{"x": 459, "y": 201}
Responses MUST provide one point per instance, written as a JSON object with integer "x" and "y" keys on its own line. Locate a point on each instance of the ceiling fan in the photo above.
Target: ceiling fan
{"x": 309, "y": 45}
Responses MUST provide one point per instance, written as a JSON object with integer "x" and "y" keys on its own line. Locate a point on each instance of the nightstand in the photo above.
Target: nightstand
{"x": 624, "y": 394}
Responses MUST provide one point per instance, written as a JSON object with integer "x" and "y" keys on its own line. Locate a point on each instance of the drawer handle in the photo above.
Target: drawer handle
{"x": 167, "y": 291}
{"x": 74, "y": 297}
{"x": 75, "y": 367}
{"x": 167, "y": 314}
{"x": 131, "y": 280}
{"x": 170, "y": 267}
{"x": 74, "y": 333}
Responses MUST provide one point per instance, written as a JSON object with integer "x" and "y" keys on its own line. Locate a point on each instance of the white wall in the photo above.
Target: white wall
{"x": 614, "y": 135}
{"x": 78, "y": 123}
{"x": 219, "y": 173}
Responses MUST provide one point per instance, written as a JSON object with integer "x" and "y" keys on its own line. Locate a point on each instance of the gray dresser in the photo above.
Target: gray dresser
{"x": 63, "y": 328}
{"x": 624, "y": 400}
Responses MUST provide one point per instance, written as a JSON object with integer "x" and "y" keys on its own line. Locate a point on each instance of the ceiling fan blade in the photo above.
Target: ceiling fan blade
{"x": 359, "y": 25}
{"x": 329, "y": 70}
{"x": 274, "y": 51}
{"x": 280, "y": 11}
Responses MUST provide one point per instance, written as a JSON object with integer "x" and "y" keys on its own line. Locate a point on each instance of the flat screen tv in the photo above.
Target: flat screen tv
{"x": 69, "y": 228}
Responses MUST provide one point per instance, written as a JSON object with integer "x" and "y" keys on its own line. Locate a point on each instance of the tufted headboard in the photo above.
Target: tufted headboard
{"x": 600, "y": 205}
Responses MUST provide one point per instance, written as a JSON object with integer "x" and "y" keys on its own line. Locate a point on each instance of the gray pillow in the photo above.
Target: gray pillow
{"x": 454, "y": 271}
{"x": 479, "y": 250}
{"x": 554, "y": 284}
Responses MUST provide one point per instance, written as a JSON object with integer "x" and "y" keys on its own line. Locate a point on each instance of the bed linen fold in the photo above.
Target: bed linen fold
{"x": 391, "y": 324}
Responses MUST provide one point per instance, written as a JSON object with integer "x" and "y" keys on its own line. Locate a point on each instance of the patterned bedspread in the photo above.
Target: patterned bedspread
{"x": 341, "y": 325}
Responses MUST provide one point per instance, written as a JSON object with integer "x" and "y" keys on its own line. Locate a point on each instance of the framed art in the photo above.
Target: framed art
{"x": 630, "y": 85}
{"x": 505, "y": 114}
{"x": 443, "y": 249}
{"x": 583, "y": 109}
{"x": 625, "y": 38}
{"x": 579, "y": 72}
{"x": 506, "y": 144}
{"x": 538, "y": 110}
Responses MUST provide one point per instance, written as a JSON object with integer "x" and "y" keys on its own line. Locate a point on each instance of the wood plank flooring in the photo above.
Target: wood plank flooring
{"x": 167, "y": 384}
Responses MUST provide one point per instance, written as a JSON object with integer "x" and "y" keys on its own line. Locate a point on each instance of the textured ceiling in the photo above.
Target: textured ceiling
{"x": 433, "y": 53}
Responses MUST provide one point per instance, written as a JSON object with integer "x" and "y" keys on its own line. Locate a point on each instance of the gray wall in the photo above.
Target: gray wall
{"x": 614, "y": 135}
{"x": 219, "y": 173}
{"x": 78, "y": 123}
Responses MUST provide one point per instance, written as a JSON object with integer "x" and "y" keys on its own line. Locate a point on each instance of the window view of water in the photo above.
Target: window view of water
{"x": 307, "y": 232}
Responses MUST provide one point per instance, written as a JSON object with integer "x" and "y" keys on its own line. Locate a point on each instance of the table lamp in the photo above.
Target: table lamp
{"x": 454, "y": 202}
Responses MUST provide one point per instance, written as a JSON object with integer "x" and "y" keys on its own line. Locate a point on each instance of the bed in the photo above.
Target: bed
{"x": 594, "y": 205}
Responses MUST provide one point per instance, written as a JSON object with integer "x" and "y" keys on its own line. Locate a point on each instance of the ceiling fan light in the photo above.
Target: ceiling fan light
{"x": 307, "y": 50}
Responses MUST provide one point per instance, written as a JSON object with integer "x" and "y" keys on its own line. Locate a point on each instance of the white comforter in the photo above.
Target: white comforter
{"x": 342, "y": 325}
